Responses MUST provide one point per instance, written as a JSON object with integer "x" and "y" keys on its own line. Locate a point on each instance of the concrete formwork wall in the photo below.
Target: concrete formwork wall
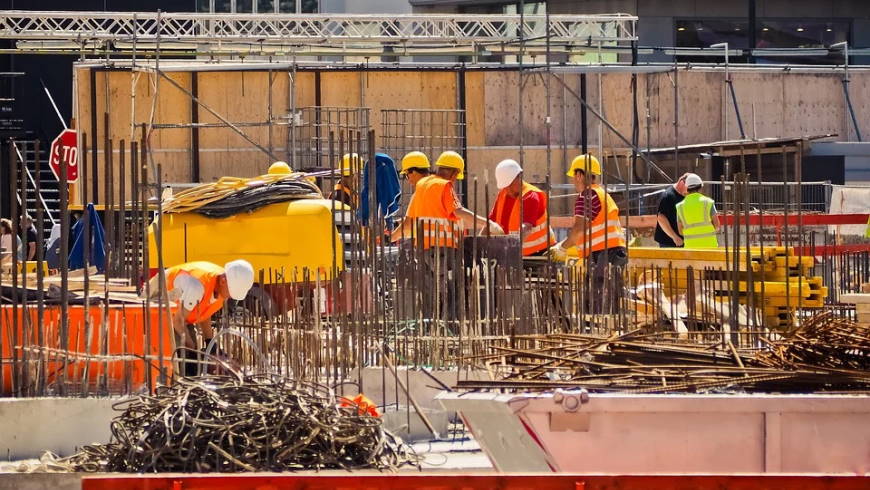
{"x": 772, "y": 104}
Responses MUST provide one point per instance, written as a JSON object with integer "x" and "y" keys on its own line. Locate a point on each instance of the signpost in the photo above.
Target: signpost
{"x": 64, "y": 151}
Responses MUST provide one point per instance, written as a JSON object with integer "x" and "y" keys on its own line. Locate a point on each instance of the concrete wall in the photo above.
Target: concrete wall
{"x": 30, "y": 426}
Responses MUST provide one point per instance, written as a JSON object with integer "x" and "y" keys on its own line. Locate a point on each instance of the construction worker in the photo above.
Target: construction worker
{"x": 696, "y": 216}
{"x": 415, "y": 166}
{"x": 515, "y": 193}
{"x": 598, "y": 235}
{"x": 666, "y": 234}
{"x": 345, "y": 190}
{"x": 435, "y": 221}
{"x": 435, "y": 205}
{"x": 201, "y": 288}
{"x": 280, "y": 168}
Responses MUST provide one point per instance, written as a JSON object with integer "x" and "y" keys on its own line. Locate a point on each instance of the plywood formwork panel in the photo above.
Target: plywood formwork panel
{"x": 859, "y": 87}
{"x": 760, "y": 99}
{"x": 238, "y": 97}
{"x": 502, "y": 105}
{"x": 813, "y": 104}
{"x": 340, "y": 89}
{"x": 475, "y": 108}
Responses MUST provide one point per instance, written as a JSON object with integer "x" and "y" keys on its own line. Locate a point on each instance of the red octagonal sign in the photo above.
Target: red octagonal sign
{"x": 64, "y": 151}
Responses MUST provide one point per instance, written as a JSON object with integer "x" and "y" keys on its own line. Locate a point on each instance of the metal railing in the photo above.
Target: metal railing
{"x": 149, "y": 27}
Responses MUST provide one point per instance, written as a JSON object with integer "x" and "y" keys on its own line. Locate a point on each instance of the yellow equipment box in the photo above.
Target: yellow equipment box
{"x": 285, "y": 238}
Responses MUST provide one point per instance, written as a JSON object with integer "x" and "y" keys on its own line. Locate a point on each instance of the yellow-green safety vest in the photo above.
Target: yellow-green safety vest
{"x": 695, "y": 214}
{"x": 867, "y": 230}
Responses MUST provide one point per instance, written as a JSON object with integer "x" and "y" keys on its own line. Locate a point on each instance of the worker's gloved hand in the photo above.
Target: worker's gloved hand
{"x": 495, "y": 228}
{"x": 557, "y": 253}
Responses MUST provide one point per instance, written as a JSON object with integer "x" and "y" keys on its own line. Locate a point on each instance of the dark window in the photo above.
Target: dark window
{"x": 222, "y": 6}
{"x": 203, "y": 6}
{"x": 770, "y": 33}
{"x": 265, "y": 6}
{"x": 244, "y": 6}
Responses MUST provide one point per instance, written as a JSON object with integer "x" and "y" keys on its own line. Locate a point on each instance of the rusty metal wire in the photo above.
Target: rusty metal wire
{"x": 827, "y": 354}
{"x": 234, "y": 424}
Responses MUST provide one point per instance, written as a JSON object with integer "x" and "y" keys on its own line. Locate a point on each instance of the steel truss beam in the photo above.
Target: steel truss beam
{"x": 341, "y": 30}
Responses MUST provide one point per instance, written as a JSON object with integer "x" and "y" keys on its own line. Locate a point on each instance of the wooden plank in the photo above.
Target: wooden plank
{"x": 475, "y": 110}
{"x": 855, "y": 298}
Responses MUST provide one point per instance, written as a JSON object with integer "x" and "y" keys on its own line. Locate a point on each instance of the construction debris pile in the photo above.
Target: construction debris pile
{"x": 826, "y": 354}
{"x": 230, "y": 424}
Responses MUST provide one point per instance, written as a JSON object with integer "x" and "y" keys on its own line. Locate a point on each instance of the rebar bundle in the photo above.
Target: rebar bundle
{"x": 826, "y": 355}
{"x": 230, "y": 424}
{"x": 822, "y": 341}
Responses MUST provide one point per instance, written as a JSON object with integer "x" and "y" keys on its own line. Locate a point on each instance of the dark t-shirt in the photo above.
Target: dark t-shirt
{"x": 668, "y": 207}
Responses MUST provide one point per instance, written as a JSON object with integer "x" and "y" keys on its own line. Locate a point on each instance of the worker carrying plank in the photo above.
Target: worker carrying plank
{"x": 517, "y": 196}
{"x": 345, "y": 190}
{"x": 598, "y": 235}
{"x": 415, "y": 166}
{"x": 435, "y": 222}
{"x": 201, "y": 288}
{"x": 697, "y": 217}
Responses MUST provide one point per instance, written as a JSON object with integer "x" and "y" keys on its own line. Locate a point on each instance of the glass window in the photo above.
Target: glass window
{"x": 265, "y": 6}
{"x": 222, "y": 6}
{"x": 309, "y": 6}
{"x": 244, "y": 6}
{"x": 704, "y": 33}
{"x": 203, "y": 6}
{"x": 802, "y": 34}
{"x": 287, "y": 6}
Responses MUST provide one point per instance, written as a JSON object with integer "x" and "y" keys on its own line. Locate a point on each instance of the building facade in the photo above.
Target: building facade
{"x": 662, "y": 24}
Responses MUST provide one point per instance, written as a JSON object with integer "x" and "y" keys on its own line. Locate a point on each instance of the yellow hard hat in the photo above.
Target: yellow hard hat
{"x": 586, "y": 163}
{"x": 414, "y": 159}
{"x": 451, "y": 159}
{"x": 350, "y": 164}
{"x": 280, "y": 168}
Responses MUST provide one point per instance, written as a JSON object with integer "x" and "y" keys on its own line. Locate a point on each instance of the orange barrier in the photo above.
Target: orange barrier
{"x": 121, "y": 355}
{"x": 442, "y": 481}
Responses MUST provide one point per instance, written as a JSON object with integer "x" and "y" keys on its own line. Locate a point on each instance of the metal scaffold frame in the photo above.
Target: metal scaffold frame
{"x": 114, "y": 31}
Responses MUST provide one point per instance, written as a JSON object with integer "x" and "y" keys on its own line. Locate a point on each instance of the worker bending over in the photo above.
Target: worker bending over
{"x": 598, "y": 235}
{"x": 201, "y": 288}
{"x": 415, "y": 166}
{"x": 697, "y": 217}
{"x": 345, "y": 190}
{"x": 514, "y": 194}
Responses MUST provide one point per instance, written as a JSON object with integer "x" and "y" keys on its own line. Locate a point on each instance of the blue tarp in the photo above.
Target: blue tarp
{"x": 389, "y": 192}
{"x": 97, "y": 242}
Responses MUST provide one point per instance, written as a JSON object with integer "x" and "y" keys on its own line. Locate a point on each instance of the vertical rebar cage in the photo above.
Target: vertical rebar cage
{"x": 430, "y": 131}
{"x": 310, "y": 131}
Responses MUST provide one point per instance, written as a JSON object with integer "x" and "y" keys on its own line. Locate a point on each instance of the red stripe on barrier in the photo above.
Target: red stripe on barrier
{"x": 442, "y": 481}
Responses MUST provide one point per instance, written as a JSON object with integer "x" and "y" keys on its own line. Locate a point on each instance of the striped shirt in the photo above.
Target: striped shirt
{"x": 588, "y": 204}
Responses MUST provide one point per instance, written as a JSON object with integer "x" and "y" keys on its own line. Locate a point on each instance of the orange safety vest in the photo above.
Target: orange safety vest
{"x": 207, "y": 273}
{"x": 535, "y": 239}
{"x": 438, "y": 228}
{"x": 606, "y": 230}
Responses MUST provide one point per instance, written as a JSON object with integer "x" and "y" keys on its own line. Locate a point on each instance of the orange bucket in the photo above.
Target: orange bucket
{"x": 123, "y": 354}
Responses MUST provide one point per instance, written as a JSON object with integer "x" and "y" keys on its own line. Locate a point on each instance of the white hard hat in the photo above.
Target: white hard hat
{"x": 240, "y": 278}
{"x": 693, "y": 180}
{"x": 505, "y": 172}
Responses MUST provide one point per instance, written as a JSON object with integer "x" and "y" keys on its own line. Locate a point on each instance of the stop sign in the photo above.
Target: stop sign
{"x": 65, "y": 152}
